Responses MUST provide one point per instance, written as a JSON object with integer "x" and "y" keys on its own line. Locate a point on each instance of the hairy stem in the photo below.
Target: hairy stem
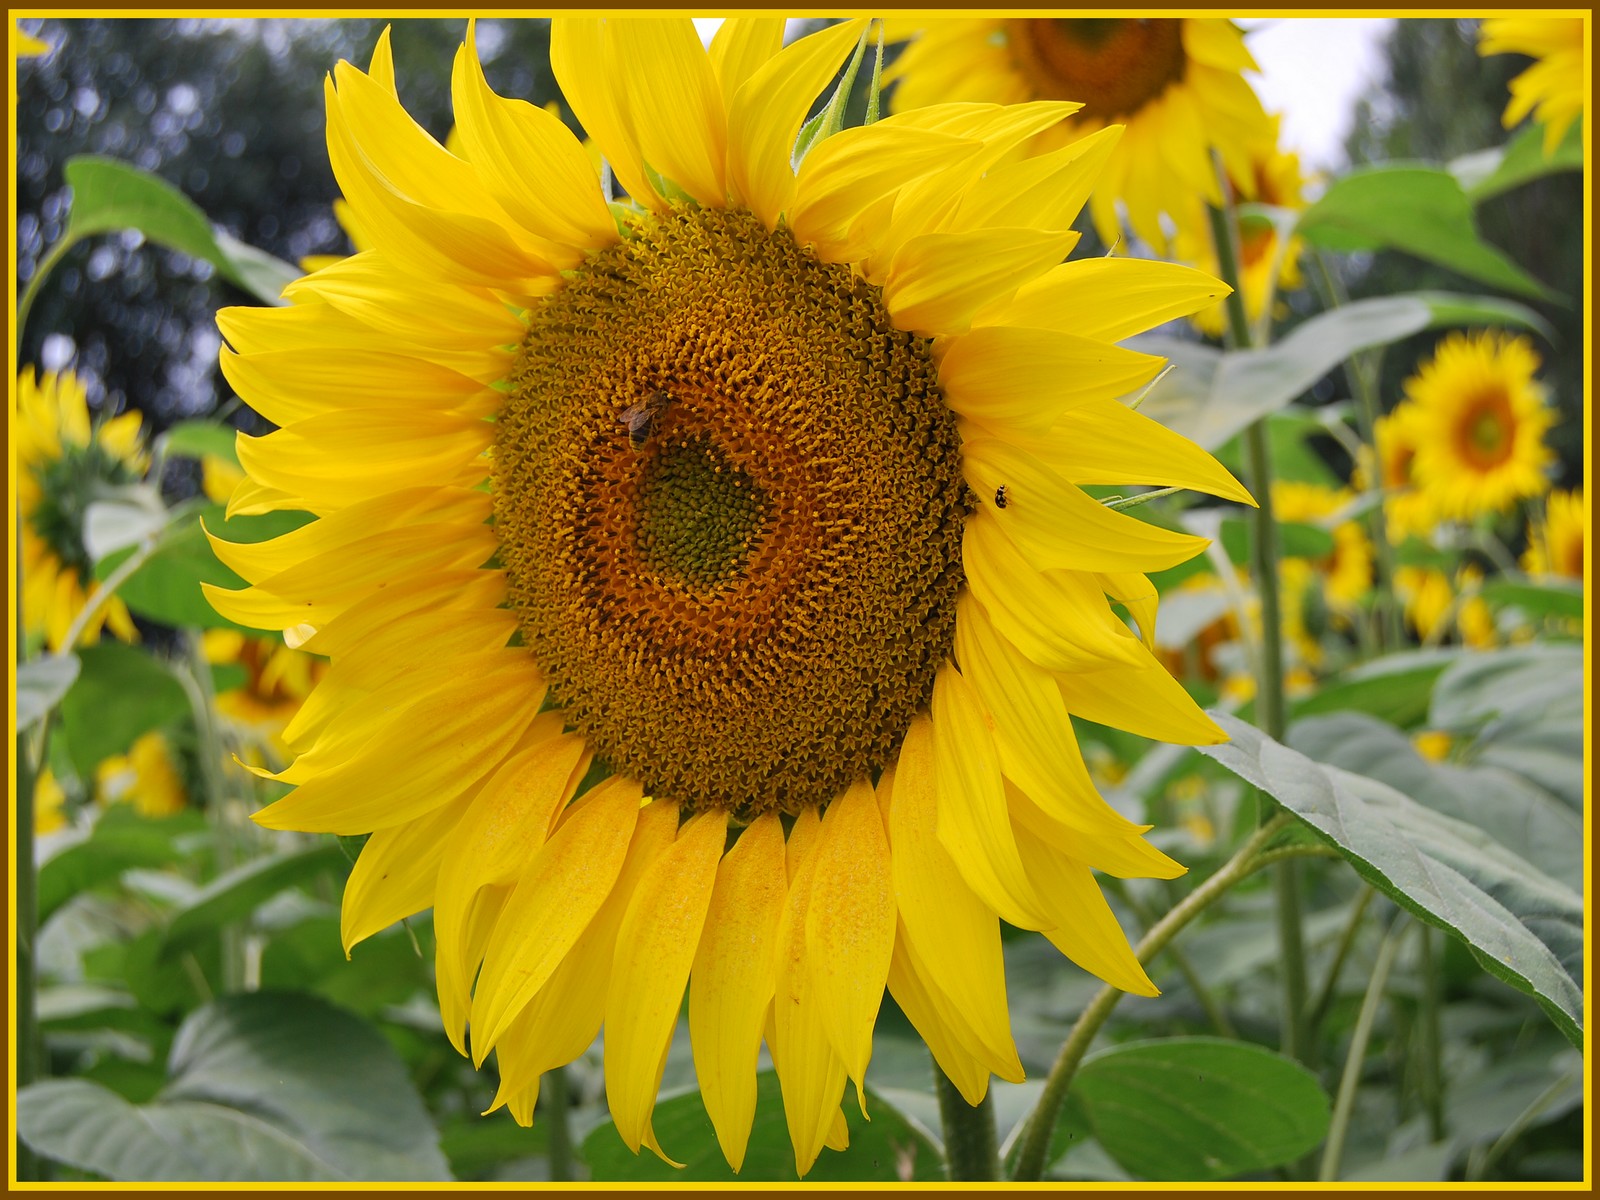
{"x": 971, "y": 1145}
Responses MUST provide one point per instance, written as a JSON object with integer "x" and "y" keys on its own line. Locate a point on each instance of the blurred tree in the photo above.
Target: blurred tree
{"x": 231, "y": 113}
{"x": 1441, "y": 100}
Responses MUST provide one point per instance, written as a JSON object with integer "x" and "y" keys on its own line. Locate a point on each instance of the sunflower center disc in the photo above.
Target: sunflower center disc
{"x": 729, "y": 501}
{"x": 1486, "y": 443}
{"x": 1112, "y": 66}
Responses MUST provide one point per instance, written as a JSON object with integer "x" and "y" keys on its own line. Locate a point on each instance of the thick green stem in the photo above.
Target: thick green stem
{"x": 971, "y": 1145}
{"x": 1431, "y": 1042}
{"x": 1270, "y": 711}
{"x": 1347, "y": 939}
{"x": 558, "y": 1118}
{"x": 1344, "y": 1103}
{"x": 1041, "y": 1123}
{"x": 44, "y": 266}
{"x": 1215, "y": 1013}
{"x": 26, "y": 907}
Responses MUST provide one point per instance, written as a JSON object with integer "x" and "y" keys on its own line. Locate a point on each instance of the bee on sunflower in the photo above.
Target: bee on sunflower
{"x": 771, "y": 705}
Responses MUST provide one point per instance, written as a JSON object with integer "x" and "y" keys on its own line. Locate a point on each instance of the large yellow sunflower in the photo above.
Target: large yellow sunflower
{"x": 1480, "y": 422}
{"x": 64, "y": 464}
{"x": 1553, "y": 89}
{"x": 706, "y": 581}
{"x": 1556, "y": 545}
{"x": 1174, "y": 85}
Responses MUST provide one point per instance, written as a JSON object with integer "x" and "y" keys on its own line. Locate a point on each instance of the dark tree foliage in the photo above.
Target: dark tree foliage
{"x": 231, "y": 112}
{"x": 1440, "y": 101}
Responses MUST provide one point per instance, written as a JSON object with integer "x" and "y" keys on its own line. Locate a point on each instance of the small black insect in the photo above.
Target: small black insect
{"x": 1000, "y": 497}
{"x": 640, "y": 419}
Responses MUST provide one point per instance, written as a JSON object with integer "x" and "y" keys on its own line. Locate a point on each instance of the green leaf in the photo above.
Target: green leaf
{"x": 888, "y": 1148}
{"x": 264, "y": 1087}
{"x": 1523, "y": 927}
{"x": 1537, "y": 600}
{"x": 1418, "y": 209}
{"x": 108, "y": 195}
{"x": 1521, "y": 160}
{"x": 233, "y": 896}
{"x": 1396, "y": 688}
{"x": 120, "y": 694}
{"x": 40, "y": 686}
{"x": 167, "y": 587}
{"x": 1197, "y": 1108}
{"x": 122, "y": 521}
{"x": 196, "y": 439}
{"x": 1295, "y": 540}
{"x": 1210, "y": 395}
{"x": 381, "y": 971}
{"x": 99, "y": 859}
{"x": 1289, "y": 434}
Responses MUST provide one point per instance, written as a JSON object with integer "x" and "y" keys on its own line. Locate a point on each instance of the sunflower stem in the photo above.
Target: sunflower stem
{"x": 1344, "y": 1103}
{"x": 971, "y": 1145}
{"x": 559, "y": 1117}
{"x": 1347, "y": 941}
{"x": 1432, "y": 1050}
{"x": 1270, "y": 710}
{"x": 25, "y": 898}
{"x": 1391, "y": 628}
{"x": 41, "y": 269}
{"x": 1035, "y": 1146}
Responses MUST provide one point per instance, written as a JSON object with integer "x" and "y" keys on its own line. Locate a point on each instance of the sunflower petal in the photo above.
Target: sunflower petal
{"x": 394, "y": 874}
{"x": 677, "y": 115}
{"x": 938, "y": 280}
{"x": 583, "y": 63}
{"x": 739, "y": 48}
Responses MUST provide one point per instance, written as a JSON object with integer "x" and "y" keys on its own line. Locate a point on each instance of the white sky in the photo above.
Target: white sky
{"x": 1312, "y": 70}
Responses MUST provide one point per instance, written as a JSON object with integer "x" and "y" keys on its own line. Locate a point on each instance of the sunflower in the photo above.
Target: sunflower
{"x": 1433, "y": 604}
{"x": 1267, "y": 265}
{"x": 1173, "y": 85}
{"x": 1480, "y": 425}
{"x": 1347, "y": 571}
{"x": 65, "y": 464}
{"x": 49, "y": 804}
{"x": 1553, "y": 89}
{"x": 1407, "y": 509}
{"x": 1556, "y": 545}
{"x": 147, "y": 777}
{"x": 277, "y": 681}
{"x": 706, "y": 580}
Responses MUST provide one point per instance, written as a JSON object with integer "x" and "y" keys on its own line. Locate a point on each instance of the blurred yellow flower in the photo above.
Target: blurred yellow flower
{"x": 278, "y": 679}
{"x": 49, "y": 803}
{"x": 1557, "y": 544}
{"x": 146, "y": 777}
{"x": 1553, "y": 89}
{"x": 1480, "y": 425}
{"x": 1175, "y": 86}
{"x": 1347, "y": 572}
{"x": 218, "y": 478}
{"x": 1407, "y": 509}
{"x": 1434, "y": 606}
{"x": 1433, "y": 744}
{"x": 63, "y": 465}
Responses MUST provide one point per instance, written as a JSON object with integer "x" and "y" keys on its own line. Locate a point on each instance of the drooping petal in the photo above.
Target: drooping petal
{"x": 395, "y": 872}
{"x": 1142, "y": 699}
{"x": 731, "y": 986}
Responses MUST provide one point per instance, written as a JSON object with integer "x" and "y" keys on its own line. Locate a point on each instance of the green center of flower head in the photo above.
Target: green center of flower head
{"x": 1485, "y": 439}
{"x": 68, "y": 485}
{"x": 1112, "y": 66}
{"x": 729, "y": 502}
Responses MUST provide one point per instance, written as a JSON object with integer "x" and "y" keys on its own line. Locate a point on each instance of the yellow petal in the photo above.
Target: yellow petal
{"x": 509, "y": 141}
{"x": 395, "y": 872}
{"x": 1033, "y": 732}
{"x": 963, "y": 1068}
{"x": 1057, "y": 525}
{"x": 1085, "y": 930}
{"x": 1138, "y": 595}
{"x": 938, "y": 280}
{"x": 1142, "y": 699}
{"x": 562, "y": 888}
{"x": 505, "y": 826}
{"x": 1107, "y": 299}
{"x": 1058, "y": 619}
{"x": 582, "y": 61}
{"x": 675, "y": 103}
{"x": 1023, "y": 381}
{"x": 1126, "y": 855}
{"x": 562, "y": 1019}
{"x": 765, "y": 116}
{"x": 850, "y": 927}
{"x": 969, "y": 792}
{"x": 656, "y": 946}
{"x": 442, "y": 590}
{"x": 285, "y": 386}
{"x": 1045, "y": 192}
{"x": 810, "y": 1074}
{"x": 425, "y": 756}
{"x": 958, "y": 934}
{"x": 739, "y": 48}
{"x": 1217, "y": 43}
{"x": 730, "y": 989}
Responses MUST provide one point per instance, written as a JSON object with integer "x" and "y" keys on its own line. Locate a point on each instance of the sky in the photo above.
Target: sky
{"x": 1312, "y": 70}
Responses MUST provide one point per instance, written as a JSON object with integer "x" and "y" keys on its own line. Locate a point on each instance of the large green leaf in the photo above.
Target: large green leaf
{"x": 264, "y": 1087}
{"x": 1396, "y": 688}
{"x": 1523, "y": 926}
{"x": 119, "y": 694}
{"x": 1210, "y": 396}
{"x": 1537, "y": 600}
{"x": 100, "y": 858}
{"x": 1197, "y": 1108}
{"x": 196, "y": 439}
{"x": 1514, "y": 811}
{"x": 167, "y": 587}
{"x": 235, "y": 895}
{"x": 887, "y": 1149}
{"x": 109, "y": 195}
{"x": 1521, "y": 160}
{"x": 41, "y": 684}
{"x": 1421, "y": 210}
